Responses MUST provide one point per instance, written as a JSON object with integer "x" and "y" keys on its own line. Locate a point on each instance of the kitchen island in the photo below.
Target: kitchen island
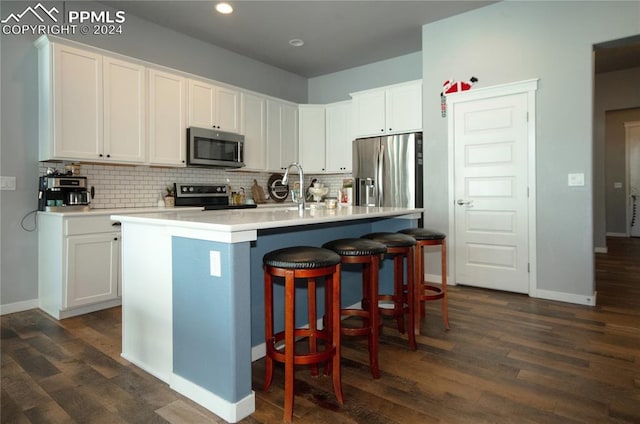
{"x": 192, "y": 290}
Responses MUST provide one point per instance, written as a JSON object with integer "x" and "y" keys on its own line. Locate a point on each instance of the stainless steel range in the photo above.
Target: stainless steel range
{"x": 209, "y": 196}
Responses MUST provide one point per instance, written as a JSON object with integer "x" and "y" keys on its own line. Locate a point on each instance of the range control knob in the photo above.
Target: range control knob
{"x": 184, "y": 189}
{"x": 191, "y": 189}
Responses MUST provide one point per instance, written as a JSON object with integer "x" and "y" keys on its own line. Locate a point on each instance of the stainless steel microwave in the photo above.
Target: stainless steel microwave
{"x": 215, "y": 148}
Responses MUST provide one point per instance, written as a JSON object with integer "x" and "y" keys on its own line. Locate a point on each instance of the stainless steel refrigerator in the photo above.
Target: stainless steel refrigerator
{"x": 387, "y": 170}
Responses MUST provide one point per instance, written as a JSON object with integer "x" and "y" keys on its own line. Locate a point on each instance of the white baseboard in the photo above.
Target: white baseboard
{"x": 25, "y": 305}
{"x": 617, "y": 235}
{"x": 230, "y": 412}
{"x": 601, "y": 249}
{"x": 565, "y": 297}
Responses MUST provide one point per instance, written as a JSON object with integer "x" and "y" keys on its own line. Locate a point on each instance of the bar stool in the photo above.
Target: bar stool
{"x": 367, "y": 253}
{"x": 400, "y": 247}
{"x": 310, "y": 263}
{"x": 425, "y": 291}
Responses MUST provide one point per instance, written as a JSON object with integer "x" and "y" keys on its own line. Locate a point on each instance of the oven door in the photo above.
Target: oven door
{"x": 214, "y": 148}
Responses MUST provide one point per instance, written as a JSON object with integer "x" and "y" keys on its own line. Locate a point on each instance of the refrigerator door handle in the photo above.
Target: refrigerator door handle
{"x": 380, "y": 193}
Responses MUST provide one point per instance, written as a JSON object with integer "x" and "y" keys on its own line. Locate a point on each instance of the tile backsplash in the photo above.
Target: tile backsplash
{"x": 122, "y": 186}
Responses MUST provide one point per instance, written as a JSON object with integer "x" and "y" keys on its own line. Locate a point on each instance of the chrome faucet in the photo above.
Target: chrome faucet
{"x": 300, "y": 197}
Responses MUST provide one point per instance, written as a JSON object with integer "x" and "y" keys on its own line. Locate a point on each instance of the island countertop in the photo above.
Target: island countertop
{"x": 234, "y": 220}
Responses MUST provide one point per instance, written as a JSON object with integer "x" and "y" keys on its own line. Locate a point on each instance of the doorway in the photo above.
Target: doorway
{"x": 632, "y": 142}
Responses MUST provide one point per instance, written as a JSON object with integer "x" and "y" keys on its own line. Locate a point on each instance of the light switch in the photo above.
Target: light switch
{"x": 576, "y": 180}
{"x": 7, "y": 183}
{"x": 214, "y": 262}
{"x": 617, "y": 185}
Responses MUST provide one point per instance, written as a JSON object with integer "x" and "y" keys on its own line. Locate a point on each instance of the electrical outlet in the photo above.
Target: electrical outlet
{"x": 214, "y": 263}
{"x": 7, "y": 183}
{"x": 617, "y": 185}
{"x": 576, "y": 180}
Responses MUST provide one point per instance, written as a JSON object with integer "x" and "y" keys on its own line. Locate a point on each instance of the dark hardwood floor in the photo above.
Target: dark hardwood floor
{"x": 507, "y": 359}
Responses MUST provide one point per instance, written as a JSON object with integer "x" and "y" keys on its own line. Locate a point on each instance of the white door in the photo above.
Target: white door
{"x": 632, "y": 130}
{"x": 490, "y": 184}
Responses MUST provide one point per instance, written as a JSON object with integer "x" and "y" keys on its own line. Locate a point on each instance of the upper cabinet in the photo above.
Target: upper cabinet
{"x": 282, "y": 134}
{"x": 388, "y": 110}
{"x": 167, "y": 118}
{"x": 212, "y": 106}
{"x": 311, "y": 141}
{"x": 254, "y": 128}
{"x": 91, "y": 106}
{"x": 339, "y": 137}
{"x": 124, "y": 110}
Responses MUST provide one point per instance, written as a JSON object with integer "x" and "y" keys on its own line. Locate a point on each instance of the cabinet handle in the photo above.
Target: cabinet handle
{"x": 389, "y": 129}
{"x": 116, "y": 224}
{"x": 108, "y": 156}
{"x": 115, "y": 238}
{"x": 100, "y": 155}
{"x": 381, "y": 129}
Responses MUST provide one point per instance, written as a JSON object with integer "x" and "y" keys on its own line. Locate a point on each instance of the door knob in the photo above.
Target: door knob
{"x": 462, "y": 202}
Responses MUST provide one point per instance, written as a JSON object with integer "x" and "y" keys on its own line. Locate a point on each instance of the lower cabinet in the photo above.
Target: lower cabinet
{"x": 92, "y": 268}
{"x": 78, "y": 264}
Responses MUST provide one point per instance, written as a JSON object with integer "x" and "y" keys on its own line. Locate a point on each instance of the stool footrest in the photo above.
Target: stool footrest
{"x": 302, "y": 358}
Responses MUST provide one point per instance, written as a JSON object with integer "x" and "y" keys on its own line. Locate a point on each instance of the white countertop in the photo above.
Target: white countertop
{"x": 119, "y": 211}
{"x": 261, "y": 218}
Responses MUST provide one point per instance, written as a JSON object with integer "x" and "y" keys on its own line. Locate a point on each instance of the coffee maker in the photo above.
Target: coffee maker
{"x": 63, "y": 193}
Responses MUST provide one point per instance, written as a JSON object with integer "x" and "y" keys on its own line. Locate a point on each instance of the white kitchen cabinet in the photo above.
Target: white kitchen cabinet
{"x": 91, "y": 107}
{"x": 124, "y": 110}
{"x": 212, "y": 106}
{"x": 388, "y": 110}
{"x": 282, "y": 134}
{"x": 78, "y": 264}
{"x": 339, "y": 137}
{"x": 70, "y": 102}
{"x": 254, "y": 128}
{"x": 167, "y": 118}
{"x": 311, "y": 140}
{"x": 92, "y": 268}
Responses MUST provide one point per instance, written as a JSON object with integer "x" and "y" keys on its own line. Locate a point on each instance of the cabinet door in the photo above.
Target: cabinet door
{"x": 369, "y": 110}
{"x": 124, "y": 111}
{"x": 91, "y": 268}
{"x": 201, "y": 103}
{"x": 289, "y": 146}
{"x": 77, "y": 104}
{"x": 312, "y": 138}
{"x": 227, "y": 109}
{"x": 339, "y": 137}
{"x": 167, "y": 124}
{"x": 274, "y": 135}
{"x": 404, "y": 108}
{"x": 211, "y": 106}
{"x": 254, "y": 127}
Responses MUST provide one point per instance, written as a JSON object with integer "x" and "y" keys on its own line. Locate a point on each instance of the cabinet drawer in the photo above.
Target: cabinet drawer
{"x": 89, "y": 225}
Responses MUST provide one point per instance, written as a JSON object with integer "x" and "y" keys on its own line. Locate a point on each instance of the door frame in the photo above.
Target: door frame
{"x": 528, "y": 87}
{"x": 627, "y": 172}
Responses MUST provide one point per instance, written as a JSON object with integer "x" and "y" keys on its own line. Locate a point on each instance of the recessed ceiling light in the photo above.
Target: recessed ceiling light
{"x": 224, "y": 8}
{"x": 296, "y": 42}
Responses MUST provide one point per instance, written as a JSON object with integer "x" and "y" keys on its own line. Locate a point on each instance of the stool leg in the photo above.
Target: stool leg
{"x": 410, "y": 299}
{"x": 372, "y": 271}
{"x": 268, "y": 323}
{"x": 417, "y": 289}
{"x": 311, "y": 317}
{"x": 289, "y": 344}
{"x": 334, "y": 282}
{"x": 398, "y": 288}
{"x": 445, "y": 314}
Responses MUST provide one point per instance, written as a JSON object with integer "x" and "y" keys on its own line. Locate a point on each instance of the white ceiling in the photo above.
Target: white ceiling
{"x": 338, "y": 35}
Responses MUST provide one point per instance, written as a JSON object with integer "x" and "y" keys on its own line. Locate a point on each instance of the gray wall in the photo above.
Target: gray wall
{"x": 613, "y": 91}
{"x": 336, "y": 87}
{"x": 19, "y": 120}
{"x": 514, "y": 41}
